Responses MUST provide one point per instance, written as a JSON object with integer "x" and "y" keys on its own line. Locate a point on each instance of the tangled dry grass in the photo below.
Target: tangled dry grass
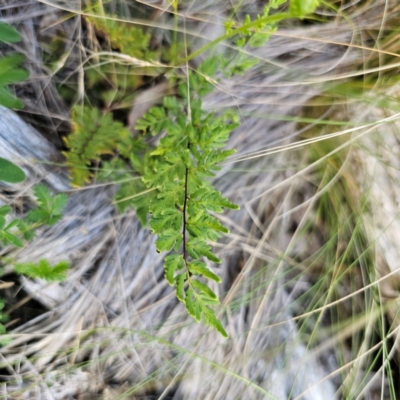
{"x": 309, "y": 270}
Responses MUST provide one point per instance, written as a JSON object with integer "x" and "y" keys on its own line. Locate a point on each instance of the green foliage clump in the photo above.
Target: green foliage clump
{"x": 94, "y": 134}
{"x": 49, "y": 210}
{"x": 9, "y": 71}
{"x": 256, "y": 32}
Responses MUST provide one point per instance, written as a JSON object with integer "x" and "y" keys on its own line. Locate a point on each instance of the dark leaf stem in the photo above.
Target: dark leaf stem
{"x": 184, "y": 211}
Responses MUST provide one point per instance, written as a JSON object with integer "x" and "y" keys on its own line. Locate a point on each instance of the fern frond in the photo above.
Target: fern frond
{"x": 94, "y": 135}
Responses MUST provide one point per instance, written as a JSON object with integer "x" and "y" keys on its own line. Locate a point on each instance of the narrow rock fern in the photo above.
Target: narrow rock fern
{"x": 178, "y": 170}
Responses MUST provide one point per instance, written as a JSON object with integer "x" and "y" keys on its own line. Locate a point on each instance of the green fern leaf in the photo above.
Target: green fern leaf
{"x": 206, "y": 226}
{"x": 180, "y": 283}
{"x": 168, "y": 239}
{"x": 44, "y": 270}
{"x": 198, "y": 247}
{"x": 199, "y": 268}
{"x": 94, "y": 135}
{"x": 192, "y": 305}
{"x": 203, "y": 289}
{"x": 172, "y": 263}
{"x": 211, "y": 320}
{"x": 212, "y": 200}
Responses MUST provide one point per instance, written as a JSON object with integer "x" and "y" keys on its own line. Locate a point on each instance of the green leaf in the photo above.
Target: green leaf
{"x": 50, "y": 207}
{"x": 155, "y": 120}
{"x": 44, "y": 270}
{"x": 210, "y": 65}
{"x": 212, "y": 200}
{"x": 171, "y": 264}
{"x": 301, "y": 8}
{"x": 9, "y": 172}
{"x": 4, "y": 210}
{"x": 202, "y": 248}
{"x": 13, "y": 76}
{"x": 211, "y": 320}
{"x": 167, "y": 240}
{"x": 203, "y": 289}
{"x": 192, "y": 304}
{"x": 171, "y": 103}
{"x": 8, "y": 100}
{"x": 180, "y": 282}
{"x": 207, "y": 301}
{"x": 8, "y": 33}
{"x": 206, "y": 227}
{"x": 199, "y": 268}
{"x": 9, "y": 64}
{"x": 168, "y": 218}
{"x": 14, "y": 222}
{"x": 9, "y": 238}
{"x": 2, "y": 222}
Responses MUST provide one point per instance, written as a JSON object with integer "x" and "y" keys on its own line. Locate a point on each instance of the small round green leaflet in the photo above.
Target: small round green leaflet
{"x": 9, "y": 172}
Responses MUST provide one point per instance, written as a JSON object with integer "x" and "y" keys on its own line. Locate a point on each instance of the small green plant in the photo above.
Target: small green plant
{"x": 9, "y": 73}
{"x": 49, "y": 210}
{"x": 189, "y": 154}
